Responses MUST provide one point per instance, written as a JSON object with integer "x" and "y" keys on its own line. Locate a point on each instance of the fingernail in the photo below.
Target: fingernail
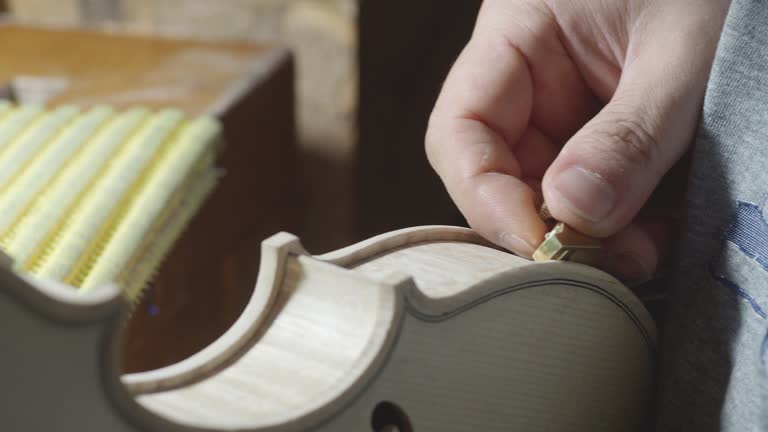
{"x": 627, "y": 267}
{"x": 586, "y": 193}
{"x": 517, "y": 245}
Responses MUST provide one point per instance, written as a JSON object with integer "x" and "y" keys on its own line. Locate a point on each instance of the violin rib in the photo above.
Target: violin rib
{"x": 426, "y": 329}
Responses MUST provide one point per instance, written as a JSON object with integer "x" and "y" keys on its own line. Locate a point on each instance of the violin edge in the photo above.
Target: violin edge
{"x": 274, "y": 251}
{"x": 412, "y": 302}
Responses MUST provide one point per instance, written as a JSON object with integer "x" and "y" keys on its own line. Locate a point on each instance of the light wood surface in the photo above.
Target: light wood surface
{"x": 429, "y": 324}
{"x": 206, "y": 279}
{"x": 120, "y": 70}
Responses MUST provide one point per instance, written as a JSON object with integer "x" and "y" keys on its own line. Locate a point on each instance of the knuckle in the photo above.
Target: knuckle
{"x": 638, "y": 144}
{"x": 629, "y": 141}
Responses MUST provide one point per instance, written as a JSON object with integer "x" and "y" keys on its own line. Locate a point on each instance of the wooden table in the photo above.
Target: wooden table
{"x": 120, "y": 70}
{"x": 206, "y": 280}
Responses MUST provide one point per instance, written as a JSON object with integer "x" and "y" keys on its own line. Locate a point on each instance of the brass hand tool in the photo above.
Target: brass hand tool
{"x": 563, "y": 243}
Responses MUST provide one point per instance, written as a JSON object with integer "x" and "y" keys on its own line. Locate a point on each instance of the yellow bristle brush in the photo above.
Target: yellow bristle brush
{"x": 26, "y": 185}
{"x": 100, "y": 197}
{"x": 51, "y": 206}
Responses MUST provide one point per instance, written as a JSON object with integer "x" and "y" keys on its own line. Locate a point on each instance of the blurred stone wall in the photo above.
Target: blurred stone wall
{"x": 323, "y": 36}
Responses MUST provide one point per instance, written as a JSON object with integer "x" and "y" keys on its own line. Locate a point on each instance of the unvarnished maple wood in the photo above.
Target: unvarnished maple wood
{"x": 522, "y": 346}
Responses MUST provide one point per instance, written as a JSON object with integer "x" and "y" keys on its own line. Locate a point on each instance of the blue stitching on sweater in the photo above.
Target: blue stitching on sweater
{"x": 740, "y": 292}
{"x": 764, "y": 348}
{"x": 749, "y": 232}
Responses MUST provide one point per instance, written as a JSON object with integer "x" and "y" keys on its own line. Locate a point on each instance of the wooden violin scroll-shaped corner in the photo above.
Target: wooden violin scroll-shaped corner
{"x": 326, "y": 330}
{"x": 274, "y": 255}
{"x": 422, "y": 329}
{"x": 428, "y": 328}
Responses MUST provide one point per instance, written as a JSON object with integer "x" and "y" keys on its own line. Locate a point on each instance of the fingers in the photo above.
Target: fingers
{"x": 631, "y": 254}
{"x": 483, "y": 139}
{"x": 482, "y": 112}
{"x": 515, "y": 96}
{"x": 608, "y": 169}
{"x": 502, "y": 209}
{"x": 531, "y": 27}
{"x": 636, "y": 251}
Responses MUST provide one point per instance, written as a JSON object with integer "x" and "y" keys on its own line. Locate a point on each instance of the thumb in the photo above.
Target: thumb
{"x": 606, "y": 172}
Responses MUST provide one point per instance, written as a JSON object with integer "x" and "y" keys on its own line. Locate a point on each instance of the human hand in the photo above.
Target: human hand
{"x": 583, "y": 104}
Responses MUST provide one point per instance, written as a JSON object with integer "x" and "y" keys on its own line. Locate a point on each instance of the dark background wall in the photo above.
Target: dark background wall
{"x": 406, "y": 50}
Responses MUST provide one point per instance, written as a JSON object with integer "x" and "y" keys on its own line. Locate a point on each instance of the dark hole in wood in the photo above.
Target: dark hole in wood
{"x": 388, "y": 417}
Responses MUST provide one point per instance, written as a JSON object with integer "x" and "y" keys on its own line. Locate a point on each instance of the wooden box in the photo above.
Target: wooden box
{"x": 206, "y": 280}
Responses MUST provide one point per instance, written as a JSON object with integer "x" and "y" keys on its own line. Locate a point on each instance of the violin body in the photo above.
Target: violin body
{"x": 423, "y": 329}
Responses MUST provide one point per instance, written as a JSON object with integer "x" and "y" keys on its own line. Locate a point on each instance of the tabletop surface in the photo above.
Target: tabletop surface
{"x": 88, "y": 67}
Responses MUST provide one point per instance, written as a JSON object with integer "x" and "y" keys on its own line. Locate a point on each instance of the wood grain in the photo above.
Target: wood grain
{"x": 121, "y": 70}
{"x": 495, "y": 355}
{"x": 524, "y": 346}
{"x": 207, "y": 278}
